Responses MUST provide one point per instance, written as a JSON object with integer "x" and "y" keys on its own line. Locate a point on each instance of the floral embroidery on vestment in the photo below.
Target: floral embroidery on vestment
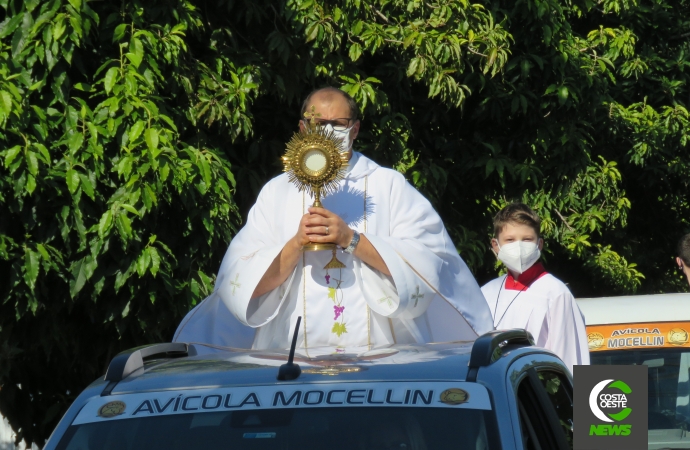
{"x": 335, "y": 294}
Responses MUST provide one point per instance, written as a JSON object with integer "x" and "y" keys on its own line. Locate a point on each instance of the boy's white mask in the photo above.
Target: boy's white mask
{"x": 519, "y": 256}
{"x": 344, "y": 135}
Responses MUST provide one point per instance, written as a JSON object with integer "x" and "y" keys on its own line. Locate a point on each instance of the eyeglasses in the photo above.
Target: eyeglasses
{"x": 342, "y": 124}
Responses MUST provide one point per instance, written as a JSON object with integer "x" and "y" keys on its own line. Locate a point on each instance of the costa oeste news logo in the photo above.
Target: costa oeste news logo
{"x": 600, "y": 402}
{"x": 610, "y": 407}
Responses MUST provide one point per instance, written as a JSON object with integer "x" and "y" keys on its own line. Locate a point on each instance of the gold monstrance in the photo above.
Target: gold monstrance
{"x": 315, "y": 161}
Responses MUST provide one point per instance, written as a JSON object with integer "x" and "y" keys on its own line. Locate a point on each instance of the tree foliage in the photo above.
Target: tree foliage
{"x": 134, "y": 135}
{"x": 115, "y": 206}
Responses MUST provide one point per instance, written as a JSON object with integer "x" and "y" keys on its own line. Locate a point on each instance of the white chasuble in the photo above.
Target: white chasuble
{"x": 431, "y": 295}
{"x": 540, "y": 303}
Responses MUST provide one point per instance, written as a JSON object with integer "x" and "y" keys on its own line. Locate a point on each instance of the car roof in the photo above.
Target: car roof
{"x": 241, "y": 367}
{"x": 635, "y": 309}
{"x": 192, "y": 369}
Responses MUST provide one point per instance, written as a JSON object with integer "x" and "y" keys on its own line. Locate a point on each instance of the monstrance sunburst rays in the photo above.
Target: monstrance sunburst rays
{"x": 315, "y": 161}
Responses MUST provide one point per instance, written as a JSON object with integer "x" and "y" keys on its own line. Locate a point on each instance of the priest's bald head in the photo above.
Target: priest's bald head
{"x": 335, "y": 110}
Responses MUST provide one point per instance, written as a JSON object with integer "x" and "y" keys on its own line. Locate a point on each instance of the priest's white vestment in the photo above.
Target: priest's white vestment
{"x": 431, "y": 296}
{"x": 543, "y": 305}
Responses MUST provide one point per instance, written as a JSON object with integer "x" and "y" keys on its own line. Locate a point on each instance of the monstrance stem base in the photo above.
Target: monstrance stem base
{"x": 315, "y": 247}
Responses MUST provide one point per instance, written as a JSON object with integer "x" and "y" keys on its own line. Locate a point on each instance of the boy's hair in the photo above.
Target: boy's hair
{"x": 683, "y": 249}
{"x": 516, "y": 213}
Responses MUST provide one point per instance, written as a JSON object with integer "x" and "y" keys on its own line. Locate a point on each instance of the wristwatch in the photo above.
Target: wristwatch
{"x": 353, "y": 243}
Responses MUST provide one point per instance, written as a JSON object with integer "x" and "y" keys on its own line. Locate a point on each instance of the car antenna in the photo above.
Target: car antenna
{"x": 291, "y": 371}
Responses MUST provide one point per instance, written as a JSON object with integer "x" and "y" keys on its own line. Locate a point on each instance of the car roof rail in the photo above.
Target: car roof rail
{"x": 127, "y": 362}
{"x": 489, "y": 347}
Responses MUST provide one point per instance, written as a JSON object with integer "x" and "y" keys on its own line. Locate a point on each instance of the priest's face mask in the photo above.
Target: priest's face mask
{"x": 333, "y": 112}
{"x": 518, "y": 246}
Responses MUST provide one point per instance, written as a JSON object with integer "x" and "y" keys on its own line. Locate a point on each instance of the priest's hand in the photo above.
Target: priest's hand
{"x": 323, "y": 226}
{"x": 302, "y": 236}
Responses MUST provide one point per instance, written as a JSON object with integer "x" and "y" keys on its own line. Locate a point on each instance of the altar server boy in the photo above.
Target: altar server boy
{"x": 528, "y": 296}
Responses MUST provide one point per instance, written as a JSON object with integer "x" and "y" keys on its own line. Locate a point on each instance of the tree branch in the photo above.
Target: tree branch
{"x": 564, "y": 221}
{"x": 379, "y": 13}
{"x": 476, "y": 52}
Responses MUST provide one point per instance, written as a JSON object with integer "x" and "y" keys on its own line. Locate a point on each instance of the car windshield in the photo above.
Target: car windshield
{"x": 669, "y": 388}
{"x": 314, "y": 428}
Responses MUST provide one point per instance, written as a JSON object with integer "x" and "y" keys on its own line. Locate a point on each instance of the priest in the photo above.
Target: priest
{"x": 403, "y": 280}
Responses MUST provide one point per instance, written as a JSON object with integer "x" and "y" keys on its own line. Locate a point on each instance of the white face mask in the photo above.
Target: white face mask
{"x": 344, "y": 135}
{"x": 519, "y": 256}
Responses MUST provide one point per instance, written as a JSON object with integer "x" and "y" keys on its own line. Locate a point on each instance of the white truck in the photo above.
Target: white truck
{"x": 650, "y": 330}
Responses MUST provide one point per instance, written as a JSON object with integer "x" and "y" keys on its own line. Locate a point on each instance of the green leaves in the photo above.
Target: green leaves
{"x": 148, "y": 261}
{"x": 87, "y": 186}
{"x": 72, "y": 179}
{"x": 31, "y": 267}
{"x": 97, "y": 116}
{"x": 136, "y": 130}
{"x": 355, "y": 51}
{"x": 82, "y": 271}
{"x": 105, "y": 223}
{"x": 364, "y": 91}
{"x": 32, "y": 163}
{"x": 110, "y": 79}
{"x": 205, "y": 169}
{"x": 11, "y": 154}
{"x": 21, "y": 36}
{"x": 143, "y": 262}
{"x": 124, "y": 226}
{"x": 137, "y": 52}
{"x": 76, "y": 4}
{"x": 155, "y": 260}
{"x": 10, "y": 24}
{"x": 119, "y": 32}
{"x": 562, "y": 95}
{"x": 151, "y": 137}
{"x": 5, "y": 103}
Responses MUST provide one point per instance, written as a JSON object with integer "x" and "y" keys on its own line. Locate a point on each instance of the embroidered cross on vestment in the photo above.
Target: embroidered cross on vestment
{"x": 235, "y": 284}
{"x": 417, "y": 297}
{"x": 386, "y": 300}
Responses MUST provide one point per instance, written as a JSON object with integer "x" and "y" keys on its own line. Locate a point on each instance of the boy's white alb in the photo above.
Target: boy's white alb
{"x": 546, "y": 309}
